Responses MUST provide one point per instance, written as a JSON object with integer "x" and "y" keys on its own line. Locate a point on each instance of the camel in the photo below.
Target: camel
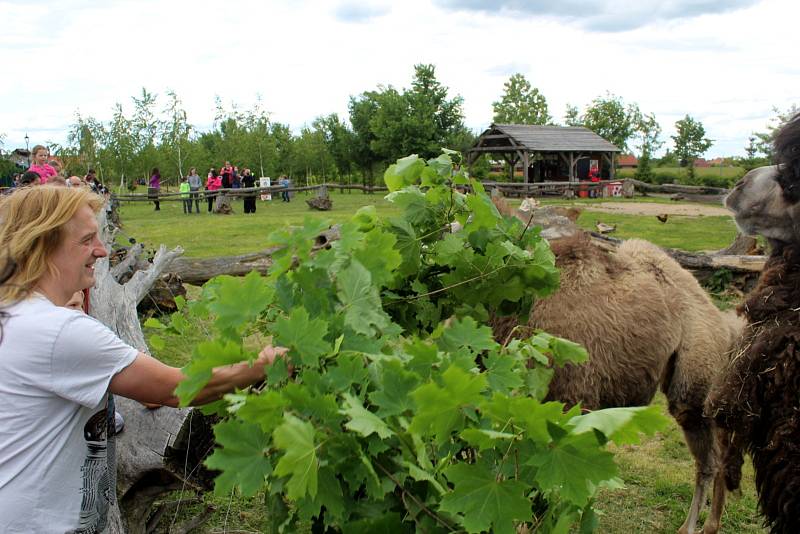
{"x": 756, "y": 398}
{"x": 645, "y": 322}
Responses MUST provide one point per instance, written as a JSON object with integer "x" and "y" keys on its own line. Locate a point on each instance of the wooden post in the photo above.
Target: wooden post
{"x": 525, "y": 164}
{"x": 612, "y": 172}
{"x": 572, "y": 167}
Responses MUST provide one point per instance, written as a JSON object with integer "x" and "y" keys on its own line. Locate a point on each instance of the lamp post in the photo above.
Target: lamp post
{"x": 27, "y": 149}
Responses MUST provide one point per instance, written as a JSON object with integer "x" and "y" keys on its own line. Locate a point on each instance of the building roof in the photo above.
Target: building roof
{"x": 547, "y": 138}
{"x": 627, "y": 160}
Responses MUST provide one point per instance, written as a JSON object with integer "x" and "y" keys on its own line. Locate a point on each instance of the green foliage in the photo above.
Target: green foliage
{"x": 402, "y": 406}
{"x": 609, "y": 117}
{"x": 690, "y": 141}
{"x": 521, "y": 103}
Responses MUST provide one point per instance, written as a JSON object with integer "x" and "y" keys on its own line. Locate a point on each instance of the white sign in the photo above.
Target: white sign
{"x": 265, "y": 182}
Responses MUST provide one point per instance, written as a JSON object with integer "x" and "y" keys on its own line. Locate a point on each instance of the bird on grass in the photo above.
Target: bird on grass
{"x": 604, "y": 228}
{"x": 663, "y": 217}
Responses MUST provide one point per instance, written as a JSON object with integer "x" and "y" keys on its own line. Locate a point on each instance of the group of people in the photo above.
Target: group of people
{"x": 44, "y": 170}
{"x": 227, "y": 177}
{"x": 60, "y": 368}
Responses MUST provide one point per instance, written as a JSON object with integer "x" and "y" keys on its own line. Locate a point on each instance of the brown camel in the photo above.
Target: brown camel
{"x": 646, "y": 323}
{"x": 756, "y": 398}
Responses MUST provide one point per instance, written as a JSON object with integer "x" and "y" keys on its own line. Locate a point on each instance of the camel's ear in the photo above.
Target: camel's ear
{"x": 787, "y": 155}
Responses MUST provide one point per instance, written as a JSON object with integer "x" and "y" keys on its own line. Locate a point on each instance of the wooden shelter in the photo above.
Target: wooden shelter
{"x": 547, "y": 153}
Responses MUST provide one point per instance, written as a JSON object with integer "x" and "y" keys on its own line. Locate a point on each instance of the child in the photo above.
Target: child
{"x": 40, "y": 165}
{"x": 185, "y": 197}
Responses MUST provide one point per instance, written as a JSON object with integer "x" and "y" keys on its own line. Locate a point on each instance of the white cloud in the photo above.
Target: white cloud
{"x": 727, "y": 68}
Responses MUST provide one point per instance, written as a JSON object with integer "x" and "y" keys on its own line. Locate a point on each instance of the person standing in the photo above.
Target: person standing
{"x": 40, "y": 165}
{"x": 154, "y": 187}
{"x": 195, "y": 184}
{"x": 284, "y": 182}
{"x": 186, "y": 199}
{"x": 249, "y": 181}
{"x": 226, "y": 175}
{"x": 213, "y": 183}
{"x": 60, "y": 369}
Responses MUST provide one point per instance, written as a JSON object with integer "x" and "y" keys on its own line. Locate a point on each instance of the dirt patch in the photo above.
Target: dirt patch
{"x": 649, "y": 208}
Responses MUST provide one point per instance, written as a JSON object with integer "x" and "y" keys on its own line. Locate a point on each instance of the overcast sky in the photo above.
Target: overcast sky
{"x": 726, "y": 63}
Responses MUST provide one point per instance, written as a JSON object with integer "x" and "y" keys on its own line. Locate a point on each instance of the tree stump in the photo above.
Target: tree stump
{"x": 159, "y": 450}
{"x": 222, "y": 204}
{"x": 322, "y": 201}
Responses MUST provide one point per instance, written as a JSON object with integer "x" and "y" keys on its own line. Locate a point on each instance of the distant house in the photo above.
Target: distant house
{"x": 718, "y": 162}
{"x": 700, "y": 162}
{"x": 627, "y": 161}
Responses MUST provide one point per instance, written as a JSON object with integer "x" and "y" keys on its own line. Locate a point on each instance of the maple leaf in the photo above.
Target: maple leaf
{"x": 242, "y": 458}
{"x": 393, "y": 394}
{"x": 379, "y": 255}
{"x": 361, "y": 300}
{"x": 486, "y": 503}
{"x": 362, "y": 421}
{"x": 265, "y": 410}
{"x": 303, "y": 336}
{"x": 299, "y": 462}
{"x": 573, "y": 466}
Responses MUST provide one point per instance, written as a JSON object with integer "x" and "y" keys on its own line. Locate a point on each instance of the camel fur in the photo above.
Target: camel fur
{"x": 646, "y": 323}
{"x": 757, "y": 398}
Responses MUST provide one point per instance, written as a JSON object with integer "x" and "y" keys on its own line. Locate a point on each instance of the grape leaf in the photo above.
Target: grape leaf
{"x": 405, "y": 172}
{"x": 205, "y": 357}
{"x": 299, "y": 462}
{"x": 264, "y": 410}
{"x": 360, "y": 299}
{"x": 486, "y": 503}
{"x": 573, "y": 467}
{"x": 238, "y": 301}
{"x": 379, "y": 256}
{"x": 303, "y": 336}
{"x": 623, "y": 426}
{"x": 362, "y": 421}
{"x": 466, "y": 333}
{"x": 242, "y": 458}
{"x": 439, "y": 409}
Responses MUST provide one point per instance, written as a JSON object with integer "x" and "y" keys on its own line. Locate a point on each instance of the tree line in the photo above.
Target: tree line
{"x": 382, "y": 125}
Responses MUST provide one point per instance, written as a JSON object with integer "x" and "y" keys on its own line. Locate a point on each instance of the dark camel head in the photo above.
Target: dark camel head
{"x": 767, "y": 200}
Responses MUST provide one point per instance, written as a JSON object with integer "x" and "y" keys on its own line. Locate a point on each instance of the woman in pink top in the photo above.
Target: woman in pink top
{"x": 213, "y": 182}
{"x": 40, "y": 165}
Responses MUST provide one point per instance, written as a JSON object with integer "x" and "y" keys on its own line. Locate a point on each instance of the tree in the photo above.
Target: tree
{"x": 145, "y": 128}
{"x": 690, "y": 141}
{"x": 361, "y": 110}
{"x": 120, "y": 144}
{"x": 339, "y": 140}
{"x": 521, "y": 103}
{"x": 612, "y": 119}
{"x": 764, "y": 139}
{"x": 648, "y": 133}
{"x": 175, "y": 130}
{"x": 572, "y": 116}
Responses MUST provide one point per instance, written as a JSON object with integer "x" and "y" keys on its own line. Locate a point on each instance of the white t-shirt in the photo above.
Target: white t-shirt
{"x": 57, "y": 465}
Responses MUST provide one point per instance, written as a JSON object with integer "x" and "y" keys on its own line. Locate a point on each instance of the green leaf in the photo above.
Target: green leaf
{"x": 484, "y": 213}
{"x": 349, "y": 370}
{"x": 238, "y": 301}
{"x": 152, "y": 322}
{"x": 405, "y": 172}
{"x": 242, "y": 458}
{"x": 503, "y": 372}
{"x": 465, "y": 333}
{"x": 393, "y": 396}
{"x": 486, "y": 503}
{"x": 303, "y": 336}
{"x": 439, "y": 409}
{"x": 486, "y": 439}
{"x": 157, "y": 343}
{"x": 265, "y": 410}
{"x": 574, "y": 467}
{"x": 362, "y": 304}
{"x": 299, "y": 462}
{"x": 623, "y": 426}
{"x": 380, "y": 256}
{"x": 565, "y": 351}
{"x": 206, "y": 356}
{"x": 362, "y": 421}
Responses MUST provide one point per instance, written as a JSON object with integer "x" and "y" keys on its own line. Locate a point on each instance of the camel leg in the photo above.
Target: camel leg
{"x": 699, "y": 435}
{"x": 718, "y": 501}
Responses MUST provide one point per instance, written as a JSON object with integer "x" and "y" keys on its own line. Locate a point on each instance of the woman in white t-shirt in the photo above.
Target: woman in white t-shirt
{"x": 57, "y": 368}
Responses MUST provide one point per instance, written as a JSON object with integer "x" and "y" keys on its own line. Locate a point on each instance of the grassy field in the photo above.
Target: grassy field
{"x": 658, "y": 474}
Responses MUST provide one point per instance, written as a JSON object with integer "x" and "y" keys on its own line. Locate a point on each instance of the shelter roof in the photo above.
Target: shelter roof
{"x": 537, "y": 138}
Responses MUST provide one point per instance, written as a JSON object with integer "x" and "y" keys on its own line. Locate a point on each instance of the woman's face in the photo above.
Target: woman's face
{"x": 40, "y": 156}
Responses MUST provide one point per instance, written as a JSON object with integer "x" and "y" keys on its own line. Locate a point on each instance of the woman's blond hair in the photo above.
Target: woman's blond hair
{"x": 32, "y": 221}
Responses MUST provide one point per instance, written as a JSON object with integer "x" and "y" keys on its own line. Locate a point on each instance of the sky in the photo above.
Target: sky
{"x": 725, "y": 63}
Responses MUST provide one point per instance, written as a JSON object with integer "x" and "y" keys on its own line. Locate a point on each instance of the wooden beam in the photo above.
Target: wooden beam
{"x": 508, "y": 148}
{"x": 571, "y": 167}
{"x": 525, "y": 165}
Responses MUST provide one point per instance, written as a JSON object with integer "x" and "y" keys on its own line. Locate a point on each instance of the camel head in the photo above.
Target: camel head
{"x": 766, "y": 201}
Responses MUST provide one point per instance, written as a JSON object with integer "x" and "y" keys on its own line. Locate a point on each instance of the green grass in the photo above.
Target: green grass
{"x": 206, "y": 235}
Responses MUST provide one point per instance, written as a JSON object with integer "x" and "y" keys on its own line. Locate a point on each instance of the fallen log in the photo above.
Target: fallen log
{"x": 677, "y": 188}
